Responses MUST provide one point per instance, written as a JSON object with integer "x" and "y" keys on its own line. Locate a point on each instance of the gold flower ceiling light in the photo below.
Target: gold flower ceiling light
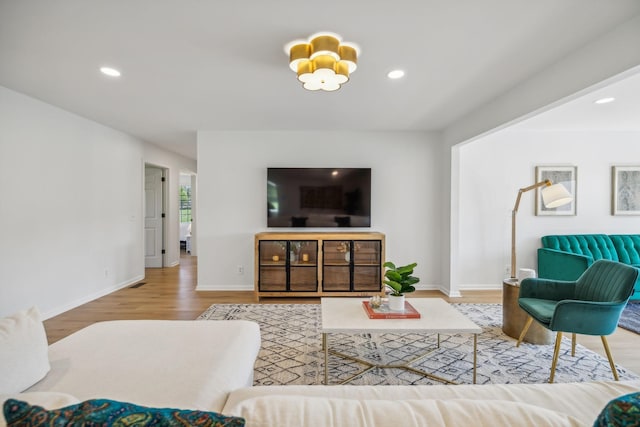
{"x": 323, "y": 62}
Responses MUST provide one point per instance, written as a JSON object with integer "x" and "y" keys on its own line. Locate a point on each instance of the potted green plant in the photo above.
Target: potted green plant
{"x": 401, "y": 281}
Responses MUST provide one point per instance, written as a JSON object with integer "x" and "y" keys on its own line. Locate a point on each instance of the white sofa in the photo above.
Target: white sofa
{"x": 159, "y": 363}
{"x": 572, "y": 404}
{"x": 209, "y": 366}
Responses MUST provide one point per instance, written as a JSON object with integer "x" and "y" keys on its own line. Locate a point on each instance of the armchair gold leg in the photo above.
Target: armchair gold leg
{"x": 525, "y": 329}
{"x": 573, "y": 345}
{"x": 556, "y": 353}
{"x": 613, "y": 365}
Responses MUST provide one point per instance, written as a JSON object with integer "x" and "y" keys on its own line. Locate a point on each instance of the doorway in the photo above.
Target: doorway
{"x": 187, "y": 213}
{"x": 154, "y": 216}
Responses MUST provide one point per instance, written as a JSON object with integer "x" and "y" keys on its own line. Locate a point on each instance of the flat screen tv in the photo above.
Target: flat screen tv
{"x": 319, "y": 197}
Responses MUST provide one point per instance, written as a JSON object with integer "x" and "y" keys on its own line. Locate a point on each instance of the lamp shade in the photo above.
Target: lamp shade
{"x": 555, "y": 195}
{"x": 323, "y": 62}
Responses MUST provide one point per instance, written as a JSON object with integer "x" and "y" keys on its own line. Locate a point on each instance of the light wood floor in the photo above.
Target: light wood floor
{"x": 169, "y": 293}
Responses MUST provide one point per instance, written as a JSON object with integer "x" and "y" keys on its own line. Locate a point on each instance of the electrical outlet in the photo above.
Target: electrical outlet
{"x": 106, "y": 273}
{"x": 240, "y": 270}
{"x": 507, "y": 270}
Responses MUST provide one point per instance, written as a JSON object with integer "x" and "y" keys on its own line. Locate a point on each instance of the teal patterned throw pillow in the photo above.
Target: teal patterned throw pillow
{"x": 622, "y": 411}
{"x": 103, "y": 412}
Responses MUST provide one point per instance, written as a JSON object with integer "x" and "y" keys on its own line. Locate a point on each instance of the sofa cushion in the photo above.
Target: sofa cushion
{"x": 622, "y": 411}
{"x": 581, "y": 400}
{"x": 24, "y": 357}
{"x": 109, "y": 413}
{"x": 283, "y": 411}
{"x": 157, "y": 363}
{"x": 596, "y": 246}
{"x": 627, "y": 247}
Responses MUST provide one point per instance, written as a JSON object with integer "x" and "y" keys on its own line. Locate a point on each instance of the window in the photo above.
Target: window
{"x": 185, "y": 203}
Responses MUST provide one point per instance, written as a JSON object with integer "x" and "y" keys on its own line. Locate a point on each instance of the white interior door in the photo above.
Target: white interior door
{"x": 152, "y": 217}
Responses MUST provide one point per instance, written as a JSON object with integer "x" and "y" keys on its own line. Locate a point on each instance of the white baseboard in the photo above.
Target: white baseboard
{"x": 88, "y": 298}
{"x": 245, "y": 288}
{"x": 481, "y": 287}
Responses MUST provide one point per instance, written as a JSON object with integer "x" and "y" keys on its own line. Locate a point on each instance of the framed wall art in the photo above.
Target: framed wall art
{"x": 565, "y": 175}
{"x": 625, "y": 191}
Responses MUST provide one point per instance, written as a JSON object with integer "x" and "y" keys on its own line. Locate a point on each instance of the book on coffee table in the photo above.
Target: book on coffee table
{"x": 383, "y": 312}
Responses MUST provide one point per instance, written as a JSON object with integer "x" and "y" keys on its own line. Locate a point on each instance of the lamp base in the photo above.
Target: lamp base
{"x": 514, "y": 318}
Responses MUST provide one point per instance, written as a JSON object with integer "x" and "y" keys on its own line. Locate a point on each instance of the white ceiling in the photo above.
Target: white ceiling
{"x": 191, "y": 65}
{"x": 582, "y": 113}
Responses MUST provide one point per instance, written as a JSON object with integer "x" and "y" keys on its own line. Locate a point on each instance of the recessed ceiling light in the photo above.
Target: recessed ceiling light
{"x": 112, "y": 72}
{"x": 395, "y": 74}
{"x": 605, "y": 100}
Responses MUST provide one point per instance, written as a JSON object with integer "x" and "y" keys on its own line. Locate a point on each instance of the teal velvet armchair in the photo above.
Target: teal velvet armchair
{"x": 591, "y": 305}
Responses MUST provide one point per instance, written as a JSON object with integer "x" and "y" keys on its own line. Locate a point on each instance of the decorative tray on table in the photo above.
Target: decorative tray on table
{"x": 383, "y": 312}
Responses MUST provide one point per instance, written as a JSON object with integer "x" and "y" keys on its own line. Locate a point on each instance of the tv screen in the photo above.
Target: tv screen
{"x": 319, "y": 197}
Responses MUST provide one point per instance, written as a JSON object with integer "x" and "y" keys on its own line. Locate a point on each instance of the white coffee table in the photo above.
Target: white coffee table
{"x": 347, "y": 316}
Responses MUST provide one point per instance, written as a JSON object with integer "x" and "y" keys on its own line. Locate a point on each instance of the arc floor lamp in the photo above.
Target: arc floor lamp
{"x": 553, "y": 196}
{"x": 513, "y": 318}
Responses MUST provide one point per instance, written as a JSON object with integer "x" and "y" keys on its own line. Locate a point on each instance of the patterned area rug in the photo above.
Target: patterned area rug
{"x": 630, "y": 318}
{"x": 291, "y": 351}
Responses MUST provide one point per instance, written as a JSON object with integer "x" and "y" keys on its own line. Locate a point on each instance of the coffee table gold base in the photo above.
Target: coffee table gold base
{"x": 406, "y": 366}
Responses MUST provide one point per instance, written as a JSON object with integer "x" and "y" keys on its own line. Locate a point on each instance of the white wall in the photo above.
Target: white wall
{"x": 494, "y": 168}
{"x": 71, "y": 212}
{"x": 232, "y": 172}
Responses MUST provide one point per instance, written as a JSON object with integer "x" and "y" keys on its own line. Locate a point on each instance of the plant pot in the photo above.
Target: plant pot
{"x": 396, "y": 303}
